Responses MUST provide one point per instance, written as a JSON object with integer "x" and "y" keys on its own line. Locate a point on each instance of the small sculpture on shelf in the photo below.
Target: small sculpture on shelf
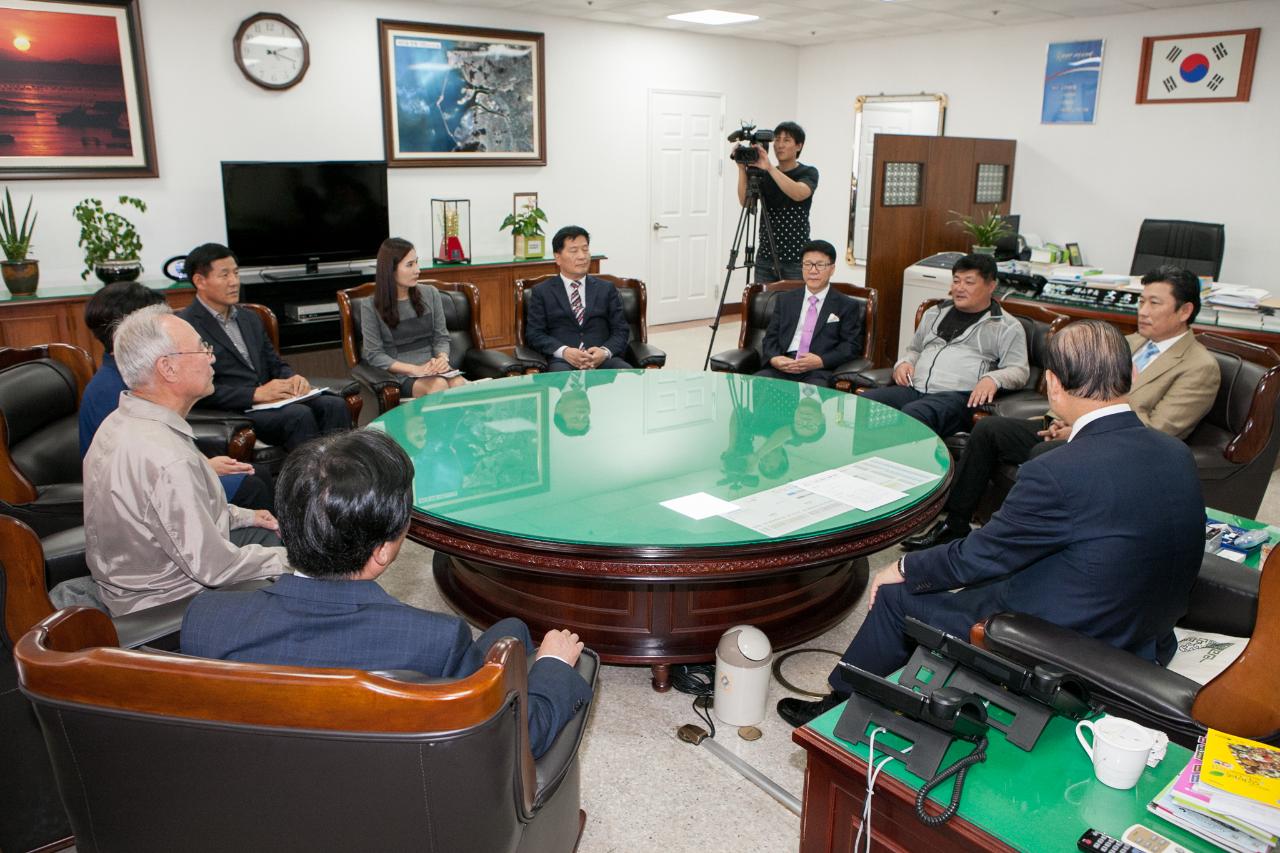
{"x": 451, "y": 228}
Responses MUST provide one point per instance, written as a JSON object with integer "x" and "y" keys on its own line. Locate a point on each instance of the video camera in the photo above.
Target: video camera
{"x": 746, "y": 153}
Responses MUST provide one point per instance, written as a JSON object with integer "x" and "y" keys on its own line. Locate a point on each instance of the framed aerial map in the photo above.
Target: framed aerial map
{"x": 455, "y": 96}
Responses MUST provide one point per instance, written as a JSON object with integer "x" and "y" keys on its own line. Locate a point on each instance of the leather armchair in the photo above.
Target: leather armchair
{"x": 758, "y": 304}
{"x": 635, "y": 305}
{"x": 41, "y": 481}
{"x": 211, "y": 425}
{"x": 1236, "y": 444}
{"x": 439, "y": 766}
{"x": 1196, "y": 246}
{"x": 466, "y": 342}
{"x": 1227, "y": 598}
{"x": 33, "y": 816}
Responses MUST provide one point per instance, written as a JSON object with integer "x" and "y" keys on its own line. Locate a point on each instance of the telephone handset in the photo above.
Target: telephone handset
{"x": 957, "y": 712}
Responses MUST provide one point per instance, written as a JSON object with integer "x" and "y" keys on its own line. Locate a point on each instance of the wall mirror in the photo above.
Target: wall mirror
{"x": 920, "y": 114}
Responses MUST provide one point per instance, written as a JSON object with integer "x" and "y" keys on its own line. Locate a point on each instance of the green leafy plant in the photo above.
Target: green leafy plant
{"x": 105, "y": 234}
{"x": 525, "y": 223}
{"x": 15, "y": 241}
{"x": 985, "y": 229}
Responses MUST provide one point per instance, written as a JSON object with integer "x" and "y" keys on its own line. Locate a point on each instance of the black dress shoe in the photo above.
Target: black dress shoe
{"x": 937, "y": 535}
{"x": 797, "y": 712}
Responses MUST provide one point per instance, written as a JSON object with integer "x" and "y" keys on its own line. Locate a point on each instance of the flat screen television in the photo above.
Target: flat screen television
{"x": 305, "y": 213}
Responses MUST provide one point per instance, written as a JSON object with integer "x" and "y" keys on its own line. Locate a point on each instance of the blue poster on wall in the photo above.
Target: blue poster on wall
{"x": 1071, "y": 82}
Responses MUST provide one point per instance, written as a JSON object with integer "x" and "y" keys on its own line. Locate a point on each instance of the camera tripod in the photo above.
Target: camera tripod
{"x": 744, "y": 239}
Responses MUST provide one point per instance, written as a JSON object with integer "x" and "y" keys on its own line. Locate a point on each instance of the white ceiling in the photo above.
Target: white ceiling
{"x": 804, "y": 22}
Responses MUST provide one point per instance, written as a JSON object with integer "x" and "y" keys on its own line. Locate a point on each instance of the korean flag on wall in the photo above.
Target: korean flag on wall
{"x": 1196, "y": 67}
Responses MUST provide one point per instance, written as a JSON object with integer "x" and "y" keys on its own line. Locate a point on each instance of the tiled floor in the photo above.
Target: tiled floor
{"x": 645, "y": 790}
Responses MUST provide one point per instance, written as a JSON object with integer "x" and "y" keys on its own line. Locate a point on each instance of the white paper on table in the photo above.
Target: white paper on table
{"x": 262, "y": 407}
{"x": 699, "y": 505}
{"x": 854, "y": 491}
{"x": 448, "y": 374}
{"x": 784, "y": 509}
{"x": 512, "y": 425}
{"x": 891, "y": 475}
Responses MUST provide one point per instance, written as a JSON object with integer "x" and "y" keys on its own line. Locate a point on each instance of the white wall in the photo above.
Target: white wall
{"x": 598, "y": 78}
{"x": 1091, "y": 184}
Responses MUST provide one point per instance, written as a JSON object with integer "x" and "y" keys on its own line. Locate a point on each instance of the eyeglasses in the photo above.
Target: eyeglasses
{"x": 817, "y": 265}
{"x": 206, "y": 348}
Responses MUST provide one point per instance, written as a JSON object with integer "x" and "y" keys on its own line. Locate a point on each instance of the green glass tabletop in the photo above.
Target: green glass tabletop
{"x": 1044, "y": 799}
{"x": 590, "y": 457}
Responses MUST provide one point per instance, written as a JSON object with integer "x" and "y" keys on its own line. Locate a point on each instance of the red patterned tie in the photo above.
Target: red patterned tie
{"x": 575, "y": 302}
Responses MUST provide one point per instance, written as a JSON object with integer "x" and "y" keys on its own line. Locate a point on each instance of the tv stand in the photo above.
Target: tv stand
{"x": 281, "y": 290}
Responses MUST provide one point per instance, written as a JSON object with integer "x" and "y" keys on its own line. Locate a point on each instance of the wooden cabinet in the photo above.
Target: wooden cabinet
{"x": 55, "y": 314}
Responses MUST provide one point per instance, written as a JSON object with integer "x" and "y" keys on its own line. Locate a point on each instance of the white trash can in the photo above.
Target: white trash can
{"x": 743, "y": 659}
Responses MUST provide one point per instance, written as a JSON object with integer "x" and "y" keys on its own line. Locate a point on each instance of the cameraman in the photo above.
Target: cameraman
{"x": 786, "y": 190}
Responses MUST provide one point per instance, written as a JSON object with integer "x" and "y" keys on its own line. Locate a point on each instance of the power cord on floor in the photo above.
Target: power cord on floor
{"x": 699, "y": 681}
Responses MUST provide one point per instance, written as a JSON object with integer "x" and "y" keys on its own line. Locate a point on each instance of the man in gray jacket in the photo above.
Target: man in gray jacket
{"x": 964, "y": 351}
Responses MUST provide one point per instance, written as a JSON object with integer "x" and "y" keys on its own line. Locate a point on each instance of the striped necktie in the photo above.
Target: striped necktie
{"x": 1146, "y": 355}
{"x": 575, "y": 301}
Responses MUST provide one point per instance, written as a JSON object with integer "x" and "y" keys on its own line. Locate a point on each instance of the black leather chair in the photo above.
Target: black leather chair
{"x": 241, "y": 441}
{"x": 635, "y": 305}
{"x": 40, "y": 476}
{"x": 466, "y": 341}
{"x": 1196, "y": 246}
{"x": 32, "y": 815}
{"x": 758, "y": 304}
{"x": 250, "y": 757}
{"x": 1236, "y": 444}
{"x": 1227, "y": 599}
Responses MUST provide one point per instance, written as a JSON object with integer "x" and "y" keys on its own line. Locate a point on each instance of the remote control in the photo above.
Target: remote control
{"x": 1149, "y": 841}
{"x": 1096, "y": 842}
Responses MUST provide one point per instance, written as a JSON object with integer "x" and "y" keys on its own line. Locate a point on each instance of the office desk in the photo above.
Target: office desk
{"x": 566, "y": 530}
{"x": 1032, "y": 802}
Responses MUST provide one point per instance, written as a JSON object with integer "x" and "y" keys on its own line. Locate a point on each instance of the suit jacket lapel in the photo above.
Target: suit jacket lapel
{"x": 562, "y": 298}
{"x": 790, "y": 320}
{"x": 823, "y": 313}
{"x": 250, "y": 340}
{"x": 210, "y": 328}
{"x": 1164, "y": 362}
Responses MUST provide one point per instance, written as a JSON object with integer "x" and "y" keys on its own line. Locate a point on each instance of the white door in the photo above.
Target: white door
{"x": 686, "y": 167}
{"x": 912, "y": 118}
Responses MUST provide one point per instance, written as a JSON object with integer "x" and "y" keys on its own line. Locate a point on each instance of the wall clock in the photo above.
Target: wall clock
{"x": 271, "y": 51}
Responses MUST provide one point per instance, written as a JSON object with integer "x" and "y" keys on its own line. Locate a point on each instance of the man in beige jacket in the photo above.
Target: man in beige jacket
{"x": 1174, "y": 385}
{"x": 158, "y": 527}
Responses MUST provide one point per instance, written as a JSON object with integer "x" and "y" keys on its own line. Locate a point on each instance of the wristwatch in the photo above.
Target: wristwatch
{"x": 902, "y": 569}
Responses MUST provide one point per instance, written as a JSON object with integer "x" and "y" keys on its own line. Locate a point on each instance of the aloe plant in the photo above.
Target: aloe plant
{"x": 106, "y": 235}
{"x": 985, "y": 229}
{"x": 15, "y": 241}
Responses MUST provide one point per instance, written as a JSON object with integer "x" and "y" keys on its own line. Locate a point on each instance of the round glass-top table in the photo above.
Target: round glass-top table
{"x": 652, "y": 510}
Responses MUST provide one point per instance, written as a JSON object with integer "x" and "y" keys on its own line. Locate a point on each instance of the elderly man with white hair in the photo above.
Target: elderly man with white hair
{"x": 158, "y": 527}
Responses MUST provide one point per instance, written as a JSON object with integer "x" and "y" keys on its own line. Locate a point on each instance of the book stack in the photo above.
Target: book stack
{"x": 1228, "y": 794}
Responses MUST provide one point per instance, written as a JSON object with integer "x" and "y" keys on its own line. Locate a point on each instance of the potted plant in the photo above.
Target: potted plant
{"x": 21, "y": 274}
{"x": 984, "y": 229}
{"x": 112, "y": 247}
{"x": 530, "y": 242}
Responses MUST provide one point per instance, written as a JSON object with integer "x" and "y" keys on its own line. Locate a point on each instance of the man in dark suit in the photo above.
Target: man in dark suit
{"x": 248, "y": 370}
{"x": 344, "y": 503}
{"x": 815, "y": 330}
{"x": 576, "y": 320}
{"x": 1103, "y": 535}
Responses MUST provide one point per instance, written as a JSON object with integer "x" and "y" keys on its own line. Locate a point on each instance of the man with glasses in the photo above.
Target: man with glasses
{"x": 158, "y": 527}
{"x": 249, "y": 371}
{"x": 815, "y": 329}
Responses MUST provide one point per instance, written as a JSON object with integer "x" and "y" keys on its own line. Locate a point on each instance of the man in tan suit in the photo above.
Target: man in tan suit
{"x": 1174, "y": 385}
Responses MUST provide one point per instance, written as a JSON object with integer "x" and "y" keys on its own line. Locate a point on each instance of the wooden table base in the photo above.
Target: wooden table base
{"x": 655, "y": 622}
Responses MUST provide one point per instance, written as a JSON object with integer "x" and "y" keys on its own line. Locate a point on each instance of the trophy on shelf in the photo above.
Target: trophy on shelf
{"x": 451, "y": 230}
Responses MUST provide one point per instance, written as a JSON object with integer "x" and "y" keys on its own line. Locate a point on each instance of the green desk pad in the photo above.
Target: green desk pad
{"x": 500, "y": 456}
{"x": 1254, "y": 560}
{"x": 1039, "y": 801}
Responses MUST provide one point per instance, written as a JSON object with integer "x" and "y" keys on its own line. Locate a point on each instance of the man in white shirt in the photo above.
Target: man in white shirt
{"x": 1174, "y": 385}
{"x": 815, "y": 329}
{"x": 576, "y": 320}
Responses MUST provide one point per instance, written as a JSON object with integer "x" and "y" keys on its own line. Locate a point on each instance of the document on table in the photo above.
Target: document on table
{"x": 262, "y": 407}
{"x": 699, "y": 505}
{"x": 448, "y": 374}
{"x": 784, "y": 509}
{"x": 854, "y": 491}
{"x": 891, "y": 475}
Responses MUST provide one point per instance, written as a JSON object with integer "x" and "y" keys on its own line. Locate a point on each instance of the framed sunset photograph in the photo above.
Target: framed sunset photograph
{"x": 73, "y": 91}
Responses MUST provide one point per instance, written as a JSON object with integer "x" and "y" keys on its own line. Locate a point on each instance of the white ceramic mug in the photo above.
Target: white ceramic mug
{"x": 1119, "y": 750}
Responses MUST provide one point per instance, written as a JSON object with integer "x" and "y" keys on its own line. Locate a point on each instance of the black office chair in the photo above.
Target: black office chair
{"x": 635, "y": 305}
{"x": 1196, "y": 246}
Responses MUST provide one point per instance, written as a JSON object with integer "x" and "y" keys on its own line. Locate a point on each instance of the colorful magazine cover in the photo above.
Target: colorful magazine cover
{"x": 1215, "y": 831}
{"x": 1242, "y": 767}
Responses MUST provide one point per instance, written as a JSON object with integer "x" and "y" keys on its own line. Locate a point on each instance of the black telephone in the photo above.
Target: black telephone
{"x": 957, "y": 712}
{"x": 1011, "y": 281}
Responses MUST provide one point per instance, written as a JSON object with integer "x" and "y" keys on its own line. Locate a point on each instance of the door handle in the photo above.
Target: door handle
{"x": 658, "y": 226}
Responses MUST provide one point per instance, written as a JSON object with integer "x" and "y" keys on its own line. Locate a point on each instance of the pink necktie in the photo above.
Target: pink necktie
{"x": 810, "y": 322}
